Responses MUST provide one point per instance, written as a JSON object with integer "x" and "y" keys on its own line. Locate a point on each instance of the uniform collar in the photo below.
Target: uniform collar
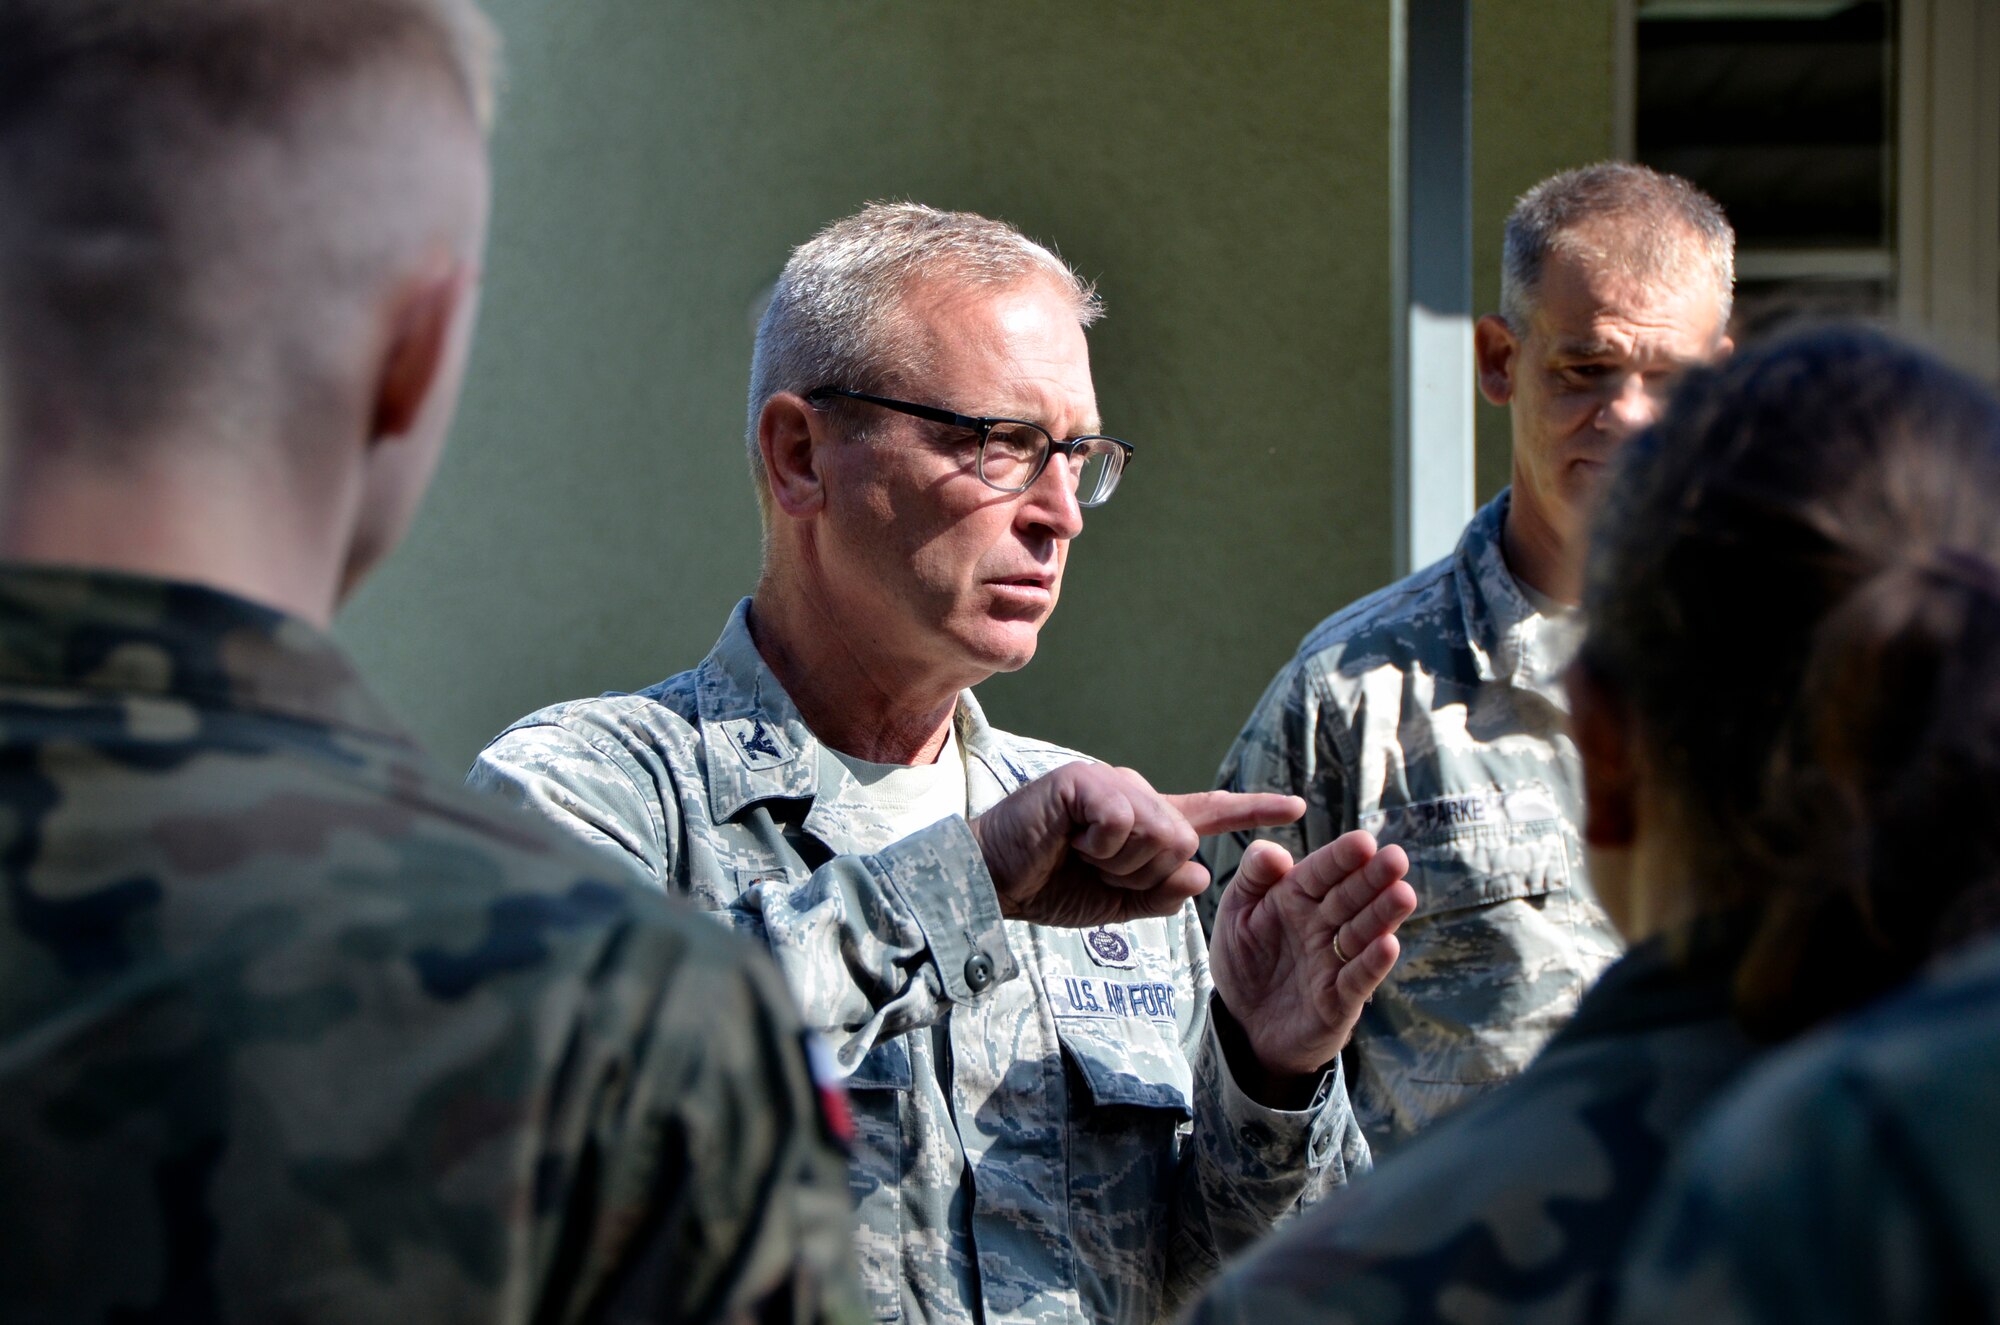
{"x": 1510, "y": 640}
{"x": 128, "y": 635}
{"x": 759, "y": 747}
{"x": 1686, "y": 975}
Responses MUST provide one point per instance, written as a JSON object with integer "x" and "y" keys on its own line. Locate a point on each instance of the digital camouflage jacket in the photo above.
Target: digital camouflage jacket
{"x": 1517, "y": 1208}
{"x": 1049, "y": 1132}
{"x": 291, "y": 1031}
{"x": 1855, "y": 1179}
{"x": 1432, "y": 714}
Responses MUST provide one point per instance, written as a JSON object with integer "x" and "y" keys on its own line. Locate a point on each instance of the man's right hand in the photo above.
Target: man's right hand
{"x": 1090, "y": 844}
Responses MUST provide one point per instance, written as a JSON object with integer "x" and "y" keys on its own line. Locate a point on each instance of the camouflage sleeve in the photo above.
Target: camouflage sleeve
{"x": 870, "y": 946}
{"x": 873, "y": 946}
{"x": 1247, "y": 1165}
{"x": 1234, "y": 1298}
{"x": 1797, "y": 1203}
{"x": 731, "y": 1203}
{"x": 1278, "y": 750}
{"x": 593, "y": 790}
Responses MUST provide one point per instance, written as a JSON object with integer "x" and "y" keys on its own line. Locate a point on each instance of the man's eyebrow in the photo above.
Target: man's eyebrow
{"x": 1586, "y": 349}
{"x": 1040, "y": 419}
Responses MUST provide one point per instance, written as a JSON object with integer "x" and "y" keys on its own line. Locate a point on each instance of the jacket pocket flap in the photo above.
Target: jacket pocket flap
{"x": 1126, "y": 1060}
{"x": 1479, "y": 847}
{"x": 885, "y": 1067}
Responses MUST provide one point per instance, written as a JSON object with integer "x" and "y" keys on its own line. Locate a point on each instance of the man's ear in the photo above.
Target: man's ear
{"x": 789, "y": 434}
{"x": 1602, "y": 726}
{"x": 1496, "y": 351}
{"x": 421, "y": 315}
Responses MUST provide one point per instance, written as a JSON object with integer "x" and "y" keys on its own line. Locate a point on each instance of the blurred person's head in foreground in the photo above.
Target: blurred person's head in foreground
{"x": 238, "y": 259}
{"x": 1788, "y": 703}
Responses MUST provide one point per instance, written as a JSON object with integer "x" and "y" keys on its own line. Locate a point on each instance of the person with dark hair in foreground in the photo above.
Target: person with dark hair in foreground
{"x": 290, "y": 1029}
{"x": 1857, "y": 1177}
{"x": 1785, "y": 710}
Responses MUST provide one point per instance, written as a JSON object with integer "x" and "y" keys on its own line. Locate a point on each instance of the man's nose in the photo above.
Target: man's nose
{"x": 1050, "y": 501}
{"x": 1630, "y": 408}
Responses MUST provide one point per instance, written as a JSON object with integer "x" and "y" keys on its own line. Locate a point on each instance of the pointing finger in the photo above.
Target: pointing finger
{"x": 1211, "y": 812}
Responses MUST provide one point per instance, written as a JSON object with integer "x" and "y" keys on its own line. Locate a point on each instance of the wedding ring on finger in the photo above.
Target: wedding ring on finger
{"x": 1338, "y": 951}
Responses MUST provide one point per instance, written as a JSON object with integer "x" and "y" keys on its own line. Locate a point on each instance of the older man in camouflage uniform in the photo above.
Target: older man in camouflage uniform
{"x": 1070, "y": 1107}
{"x": 1855, "y": 1179}
{"x": 289, "y": 1030}
{"x": 1431, "y": 713}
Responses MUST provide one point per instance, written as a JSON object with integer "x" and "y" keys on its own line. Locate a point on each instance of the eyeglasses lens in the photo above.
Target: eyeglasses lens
{"x": 1097, "y": 473}
{"x": 1011, "y": 455}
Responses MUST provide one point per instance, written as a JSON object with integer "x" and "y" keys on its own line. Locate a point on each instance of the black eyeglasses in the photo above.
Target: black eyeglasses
{"x": 1013, "y": 452}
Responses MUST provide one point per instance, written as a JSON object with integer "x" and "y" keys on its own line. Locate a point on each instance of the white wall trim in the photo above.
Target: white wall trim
{"x": 1948, "y": 178}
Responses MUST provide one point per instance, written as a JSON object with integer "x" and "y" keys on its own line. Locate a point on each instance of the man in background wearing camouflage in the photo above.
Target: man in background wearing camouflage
{"x": 290, "y": 1031}
{"x": 1431, "y": 713}
{"x": 1066, "y": 1111}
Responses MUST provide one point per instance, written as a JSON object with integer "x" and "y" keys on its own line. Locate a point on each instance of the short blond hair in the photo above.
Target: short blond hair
{"x": 186, "y": 181}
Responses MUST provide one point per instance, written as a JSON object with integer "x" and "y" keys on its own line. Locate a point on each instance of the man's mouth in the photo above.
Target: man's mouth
{"x": 1034, "y": 592}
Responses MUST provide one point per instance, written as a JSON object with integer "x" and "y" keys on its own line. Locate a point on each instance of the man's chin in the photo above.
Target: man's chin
{"x": 1007, "y": 650}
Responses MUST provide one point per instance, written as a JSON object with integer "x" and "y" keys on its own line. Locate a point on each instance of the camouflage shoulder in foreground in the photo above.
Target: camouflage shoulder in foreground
{"x": 1048, "y": 1129}
{"x": 296, "y": 1033}
{"x": 1432, "y": 715}
{"x": 1856, "y": 1179}
{"x": 1517, "y": 1208}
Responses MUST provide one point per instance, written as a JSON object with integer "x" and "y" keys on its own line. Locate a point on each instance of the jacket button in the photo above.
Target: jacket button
{"x": 978, "y": 971}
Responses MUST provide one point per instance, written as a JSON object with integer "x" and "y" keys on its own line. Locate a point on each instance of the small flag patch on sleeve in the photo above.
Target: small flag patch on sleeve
{"x": 834, "y": 1114}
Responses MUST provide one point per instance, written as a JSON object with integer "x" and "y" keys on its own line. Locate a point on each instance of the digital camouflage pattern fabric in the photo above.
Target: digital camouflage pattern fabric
{"x": 290, "y": 1031}
{"x": 1432, "y": 714}
{"x": 1048, "y": 1130}
{"x": 1854, "y": 1179}
{"x": 1517, "y": 1208}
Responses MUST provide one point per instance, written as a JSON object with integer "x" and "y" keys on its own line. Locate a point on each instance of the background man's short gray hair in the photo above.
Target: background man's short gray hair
{"x": 1666, "y": 228}
{"x": 837, "y": 316}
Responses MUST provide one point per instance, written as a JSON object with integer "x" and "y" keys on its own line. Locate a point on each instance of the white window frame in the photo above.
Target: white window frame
{"x": 1946, "y": 261}
{"x": 1948, "y": 178}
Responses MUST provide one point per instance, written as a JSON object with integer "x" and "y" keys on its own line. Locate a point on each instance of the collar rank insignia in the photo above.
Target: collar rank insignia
{"x": 1110, "y": 947}
{"x": 758, "y": 744}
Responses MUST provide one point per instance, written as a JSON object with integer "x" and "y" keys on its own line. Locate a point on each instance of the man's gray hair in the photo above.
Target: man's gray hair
{"x": 838, "y": 316}
{"x": 1665, "y": 227}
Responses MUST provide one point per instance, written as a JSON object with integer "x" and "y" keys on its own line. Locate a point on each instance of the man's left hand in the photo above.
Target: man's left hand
{"x": 1297, "y": 949}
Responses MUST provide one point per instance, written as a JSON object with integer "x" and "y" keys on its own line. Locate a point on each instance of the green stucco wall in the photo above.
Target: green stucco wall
{"x": 1542, "y": 101}
{"x": 1221, "y": 169}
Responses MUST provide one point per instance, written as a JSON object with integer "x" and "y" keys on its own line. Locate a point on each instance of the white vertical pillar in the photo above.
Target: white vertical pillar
{"x": 1431, "y": 229}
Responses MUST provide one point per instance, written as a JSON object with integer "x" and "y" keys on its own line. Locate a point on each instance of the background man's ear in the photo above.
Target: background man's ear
{"x": 1497, "y": 353}
{"x": 421, "y": 316}
{"x": 789, "y": 434}
{"x": 1602, "y": 725}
